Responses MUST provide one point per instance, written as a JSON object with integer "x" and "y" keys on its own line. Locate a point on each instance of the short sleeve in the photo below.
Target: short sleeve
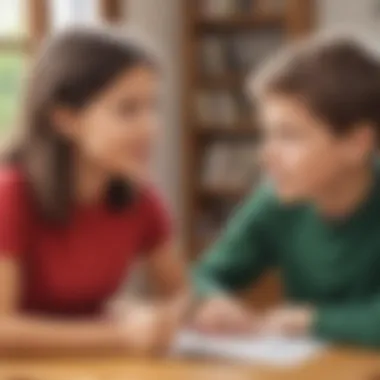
{"x": 13, "y": 213}
{"x": 157, "y": 220}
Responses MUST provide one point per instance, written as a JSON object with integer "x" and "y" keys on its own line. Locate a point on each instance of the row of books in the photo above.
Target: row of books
{"x": 216, "y": 108}
{"x": 222, "y": 108}
{"x": 228, "y": 8}
{"x": 238, "y": 52}
{"x": 230, "y": 165}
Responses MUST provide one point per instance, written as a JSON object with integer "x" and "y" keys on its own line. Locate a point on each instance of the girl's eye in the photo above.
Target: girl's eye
{"x": 134, "y": 107}
{"x": 128, "y": 108}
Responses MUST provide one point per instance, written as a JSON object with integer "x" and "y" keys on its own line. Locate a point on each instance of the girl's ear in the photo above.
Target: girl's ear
{"x": 65, "y": 122}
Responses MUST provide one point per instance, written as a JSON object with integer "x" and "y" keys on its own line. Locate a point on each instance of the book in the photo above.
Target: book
{"x": 218, "y": 8}
{"x": 245, "y": 51}
{"x": 231, "y": 166}
{"x": 226, "y": 113}
{"x": 216, "y": 108}
{"x": 232, "y": 54}
{"x": 245, "y": 6}
{"x": 243, "y": 167}
{"x": 213, "y": 60}
{"x": 264, "y": 44}
{"x": 269, "y": 6}
{"x": 205, "y": 108}
{"x": 215, "y": 165}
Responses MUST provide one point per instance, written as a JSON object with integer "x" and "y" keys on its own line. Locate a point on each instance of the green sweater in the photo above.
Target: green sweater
{"x": 334, "y": 266}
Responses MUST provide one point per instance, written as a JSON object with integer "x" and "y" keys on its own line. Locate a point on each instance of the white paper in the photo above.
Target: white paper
{"x": 276, "y": 351}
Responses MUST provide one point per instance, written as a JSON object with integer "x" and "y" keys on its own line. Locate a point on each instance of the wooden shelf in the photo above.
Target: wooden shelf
{"x": 231, "y": 81}
{"x": 239, "y": 22}
{"x": 220, "y": 132}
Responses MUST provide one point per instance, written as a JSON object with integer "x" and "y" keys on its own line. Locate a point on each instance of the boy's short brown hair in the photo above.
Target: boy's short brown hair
{"x": 337, "y": 79}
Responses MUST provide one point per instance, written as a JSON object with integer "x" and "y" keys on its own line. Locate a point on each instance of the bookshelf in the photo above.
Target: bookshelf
{"x": 224, "y": 41}
{"x": 248, "y": 22}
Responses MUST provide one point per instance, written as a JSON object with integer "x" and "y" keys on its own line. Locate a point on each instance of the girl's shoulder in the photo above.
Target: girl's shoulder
{"x": 14, "y": 189}
{"x": 151, "y": 199}
{"x": 11, "y": 178}
{"x": 156, "y": 217}
{"x": 153, "y": 207}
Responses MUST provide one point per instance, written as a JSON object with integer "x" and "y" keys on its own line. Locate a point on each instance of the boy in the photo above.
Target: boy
{"x": 319, "y": 220}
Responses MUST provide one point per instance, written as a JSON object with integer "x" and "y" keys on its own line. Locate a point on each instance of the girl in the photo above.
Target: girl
{"x": 76, "y": 210}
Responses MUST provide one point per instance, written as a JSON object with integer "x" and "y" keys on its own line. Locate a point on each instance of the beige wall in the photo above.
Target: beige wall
{"x": 160, "y": 20}
{"x": 347, "y": 13}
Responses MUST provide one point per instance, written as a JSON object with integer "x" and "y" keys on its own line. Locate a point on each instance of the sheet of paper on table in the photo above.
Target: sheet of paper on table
{"x": 276, "y": 351}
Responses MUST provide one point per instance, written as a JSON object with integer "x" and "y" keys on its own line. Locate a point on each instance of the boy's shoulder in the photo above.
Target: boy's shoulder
{"x": 264, "y": 201}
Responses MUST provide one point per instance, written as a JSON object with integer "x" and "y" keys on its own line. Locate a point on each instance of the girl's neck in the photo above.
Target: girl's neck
{"x": 346, "y": 195}
{"x": 90, "y": 182}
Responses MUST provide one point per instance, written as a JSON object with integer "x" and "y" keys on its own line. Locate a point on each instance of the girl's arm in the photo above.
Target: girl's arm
{"x": 167, "y": 280}
{"x": 168, "y": 294}
{"x": 164, "y": 265}
{"x": 166, "y": 272}
{"x": 23, "y": 333}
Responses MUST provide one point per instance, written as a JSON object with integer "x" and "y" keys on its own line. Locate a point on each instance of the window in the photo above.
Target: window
{"x": 22, "y": 25}
{"x": 68, "y": 12}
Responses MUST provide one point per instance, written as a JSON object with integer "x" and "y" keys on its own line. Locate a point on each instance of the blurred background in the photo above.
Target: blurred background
{"x": 204, "y": 157}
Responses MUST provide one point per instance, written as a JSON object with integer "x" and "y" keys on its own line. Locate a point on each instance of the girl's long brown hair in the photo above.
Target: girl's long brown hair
{"x": 70, "y": 71}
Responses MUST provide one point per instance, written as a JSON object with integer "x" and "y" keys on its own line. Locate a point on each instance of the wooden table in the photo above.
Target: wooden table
{"x": 335, "y": 365}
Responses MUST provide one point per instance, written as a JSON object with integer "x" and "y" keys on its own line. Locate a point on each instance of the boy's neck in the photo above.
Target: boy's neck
{"x": 346, "y": 195}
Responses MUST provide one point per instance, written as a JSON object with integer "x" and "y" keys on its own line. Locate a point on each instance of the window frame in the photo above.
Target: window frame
{"x": 111, "y": 11}
{"x": 38, "y": 26}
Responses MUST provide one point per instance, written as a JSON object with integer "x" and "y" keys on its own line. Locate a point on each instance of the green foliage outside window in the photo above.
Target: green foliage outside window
{"x": 11, "y": 78}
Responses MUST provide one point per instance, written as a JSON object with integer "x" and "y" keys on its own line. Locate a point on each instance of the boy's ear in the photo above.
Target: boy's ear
{"x": 64, "y": 121}
{"x": 363, "y": 141}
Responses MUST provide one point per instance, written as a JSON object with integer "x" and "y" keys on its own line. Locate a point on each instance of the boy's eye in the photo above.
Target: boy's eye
{"x": 289, "y": 135}
{"x": 281, "y": 133}
{"x": 288, "y": 131}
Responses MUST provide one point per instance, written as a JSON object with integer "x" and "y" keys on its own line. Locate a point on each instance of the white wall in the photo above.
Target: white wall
{"x": 161, "y": 21}
{"x": 360, "y": 17}
{"x": 348, "y": 13}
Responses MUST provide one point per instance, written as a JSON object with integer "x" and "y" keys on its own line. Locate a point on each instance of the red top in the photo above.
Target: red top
{"x": 75, "y": 269}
